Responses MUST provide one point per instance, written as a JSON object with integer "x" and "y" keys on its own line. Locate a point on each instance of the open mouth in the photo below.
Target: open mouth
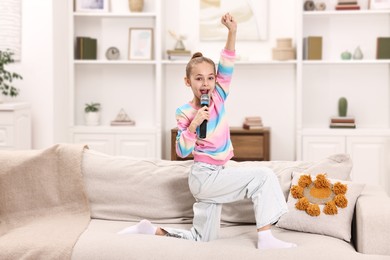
{"x": 204, "y": 91}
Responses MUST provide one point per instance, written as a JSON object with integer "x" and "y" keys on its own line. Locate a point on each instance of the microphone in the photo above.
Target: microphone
{"x": 204, "y": 101}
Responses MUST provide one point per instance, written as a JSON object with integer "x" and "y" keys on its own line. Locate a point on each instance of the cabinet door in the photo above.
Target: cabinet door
{"x": 371, "y": 160}
{"x": 99, "y": 142}
{"x": 136, "y": 145}
{"x": 319, "y": 147}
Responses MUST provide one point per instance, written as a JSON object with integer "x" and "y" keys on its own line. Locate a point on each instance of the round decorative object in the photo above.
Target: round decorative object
{"x": 320, "y": 6}
{"x": 346, "y": 55}
{"x": 309, "y": 6}
{"x": 112, "y": 53}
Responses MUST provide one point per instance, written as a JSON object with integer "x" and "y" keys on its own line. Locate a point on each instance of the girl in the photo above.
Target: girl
{"x": 210, "y": 182}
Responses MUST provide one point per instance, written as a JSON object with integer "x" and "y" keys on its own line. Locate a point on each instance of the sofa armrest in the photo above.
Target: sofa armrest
{"x": 373, "y": 222}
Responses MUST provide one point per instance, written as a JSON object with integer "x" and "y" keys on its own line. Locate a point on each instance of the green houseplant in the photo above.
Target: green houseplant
{"x": 7, "y": 77}
{"x": 92, "y": 107}
{"x": 92, "y": 113}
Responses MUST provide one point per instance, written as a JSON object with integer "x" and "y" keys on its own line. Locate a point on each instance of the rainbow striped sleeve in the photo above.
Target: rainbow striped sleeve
{"x": 185, "y": 140}
{"x": 225, "y": 71}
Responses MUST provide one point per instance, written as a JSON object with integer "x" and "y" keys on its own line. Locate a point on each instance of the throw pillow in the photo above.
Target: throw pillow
{"x": 336, "y": 166}
{"x": 321, "y": 205}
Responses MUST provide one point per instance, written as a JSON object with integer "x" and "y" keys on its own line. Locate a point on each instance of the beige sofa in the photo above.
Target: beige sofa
{"x": 122, "y": 191}
{"x": 68, "y": 202}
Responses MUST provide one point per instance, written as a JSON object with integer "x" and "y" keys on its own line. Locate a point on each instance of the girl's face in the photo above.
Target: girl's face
{"x": 202, "y": 80}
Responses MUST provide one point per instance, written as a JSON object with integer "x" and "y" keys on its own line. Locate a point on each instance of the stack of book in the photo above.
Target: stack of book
{"x": 179, "y": 54}
{"x": 342, "y": 122}
{"x": 252, "y": 122}
{"x": 86, "y": 48}
{"x": 347, "y": 5}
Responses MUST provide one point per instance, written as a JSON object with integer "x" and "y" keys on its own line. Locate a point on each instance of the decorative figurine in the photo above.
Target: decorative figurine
{"x": 358, "y": 54}
{"x": 346, "y": 55}
{"x": 343, "y": 106}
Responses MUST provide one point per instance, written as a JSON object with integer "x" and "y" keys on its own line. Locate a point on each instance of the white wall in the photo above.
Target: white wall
{"x": 45, "y": 69}
{"x": 36, "y": 68}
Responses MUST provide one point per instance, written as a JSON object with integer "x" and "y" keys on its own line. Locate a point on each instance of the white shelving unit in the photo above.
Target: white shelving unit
{"x": 365, "y": 83}
{"x": 117, "y": 84}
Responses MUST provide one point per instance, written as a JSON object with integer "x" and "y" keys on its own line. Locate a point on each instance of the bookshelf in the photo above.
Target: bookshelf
{"x": 117, "y": 84}
{"x": 365, "y": 83}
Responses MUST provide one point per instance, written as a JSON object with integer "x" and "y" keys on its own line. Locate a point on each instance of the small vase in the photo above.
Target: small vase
{"x": 358, "y": 54}
{"x": 136, "y": 5}
{"x": 346, "y": 55}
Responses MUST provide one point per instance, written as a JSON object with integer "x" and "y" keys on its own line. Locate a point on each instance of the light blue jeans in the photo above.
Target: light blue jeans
{"x": 213, "y": 185}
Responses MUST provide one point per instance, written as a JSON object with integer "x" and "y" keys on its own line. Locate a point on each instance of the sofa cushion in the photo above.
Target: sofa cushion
{"x": 326, "y": 211}
{"x": 125, "y": 188}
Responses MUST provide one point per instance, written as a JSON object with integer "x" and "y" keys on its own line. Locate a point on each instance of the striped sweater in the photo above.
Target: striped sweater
{"x": 216, "y": 148}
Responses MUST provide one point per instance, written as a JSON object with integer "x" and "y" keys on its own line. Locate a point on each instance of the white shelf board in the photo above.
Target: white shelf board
{"x": 345, "y": 131}
{"x": 344, "y": 62}
{"x": 115, "y": 15}
{"x": 346, "y": 12}
{"x": 113, "y": 129}
{"x": 115, "y": 62}
{"x": 238, "y": 62}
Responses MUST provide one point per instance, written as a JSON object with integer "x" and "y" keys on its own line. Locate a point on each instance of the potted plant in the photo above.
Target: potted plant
{"x": 7, "y": 77}
{"x": 92, "y": 113}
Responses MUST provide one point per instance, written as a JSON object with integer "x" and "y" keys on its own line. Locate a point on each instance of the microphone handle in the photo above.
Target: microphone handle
{"x": 203, "y": 128}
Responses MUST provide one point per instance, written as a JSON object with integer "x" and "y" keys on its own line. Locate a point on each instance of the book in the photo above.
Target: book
{"x": 249, "y": 127}
{"x": 86, "y": 48}
{"x": 179, "y": 54}
{"x": 347, "y": 2}
{"x": 339, "y": 126}
{"x": 347, "y": 7}
{"x": 119, "y": 123}
{"x": 312, "y": 48}
{"x": 178, "y": 57}
{"x": 383, "y": 48}
{"x": 342, "y": 119}
{"x": 252, "y": 122}
{"x": 342, "y": 125}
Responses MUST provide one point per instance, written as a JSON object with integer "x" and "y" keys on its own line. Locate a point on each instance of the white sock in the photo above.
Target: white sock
{"x": 267, "y": 241}
{"x": 143, "y": 227}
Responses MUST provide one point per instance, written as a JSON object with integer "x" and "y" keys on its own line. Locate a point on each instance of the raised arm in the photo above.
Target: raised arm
{"x": 231, "y": 25}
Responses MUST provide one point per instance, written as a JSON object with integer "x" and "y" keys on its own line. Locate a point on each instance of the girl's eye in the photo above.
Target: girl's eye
{"x": 198, "y": 79}
{"x": 211, "y": 78}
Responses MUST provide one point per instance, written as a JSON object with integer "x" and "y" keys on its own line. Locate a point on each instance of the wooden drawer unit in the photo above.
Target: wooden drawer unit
{"x": 249, "y": 145}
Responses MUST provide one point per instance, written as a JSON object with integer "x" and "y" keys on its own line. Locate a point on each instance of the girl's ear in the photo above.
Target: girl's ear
{"x": 187, "y": 82}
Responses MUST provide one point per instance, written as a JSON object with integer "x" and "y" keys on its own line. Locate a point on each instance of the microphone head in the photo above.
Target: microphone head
{"x": 204, "y": 100}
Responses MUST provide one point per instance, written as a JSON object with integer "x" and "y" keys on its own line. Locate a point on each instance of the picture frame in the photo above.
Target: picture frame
{"x": 140, "y": 43}
{"x": 379, "y": 4}
{"x": 92, "y": 6}
{"x": 252, "y": 15}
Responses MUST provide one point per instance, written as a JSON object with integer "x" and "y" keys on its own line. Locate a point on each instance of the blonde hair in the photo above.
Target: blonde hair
{"x": 195, "y": 60}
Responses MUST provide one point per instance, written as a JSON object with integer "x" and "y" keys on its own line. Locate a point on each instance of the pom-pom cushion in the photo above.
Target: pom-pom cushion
{"x": 321, "y": 205}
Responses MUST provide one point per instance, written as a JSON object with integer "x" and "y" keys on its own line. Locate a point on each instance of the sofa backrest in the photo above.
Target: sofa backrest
{"x": 130, "y": 189}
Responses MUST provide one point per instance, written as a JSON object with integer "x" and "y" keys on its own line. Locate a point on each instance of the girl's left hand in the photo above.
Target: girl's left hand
{"x": 229, "y": 22}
